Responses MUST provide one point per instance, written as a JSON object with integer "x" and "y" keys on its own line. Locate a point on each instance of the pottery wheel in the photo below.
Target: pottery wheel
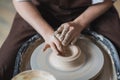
{"x": 89, "y": 69}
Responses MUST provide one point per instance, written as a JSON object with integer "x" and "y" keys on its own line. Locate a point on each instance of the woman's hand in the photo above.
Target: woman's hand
{"x": 31, "y": 14}
{"x": 68, "y": 32}
{"x": 52, "y": 42}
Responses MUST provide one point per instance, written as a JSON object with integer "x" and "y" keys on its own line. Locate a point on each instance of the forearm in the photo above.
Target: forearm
{"x": 29, "y": 12}
{"x": 92, "y": 13}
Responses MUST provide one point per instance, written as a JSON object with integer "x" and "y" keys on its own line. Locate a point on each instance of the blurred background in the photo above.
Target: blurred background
{"x": 7, "y": 13}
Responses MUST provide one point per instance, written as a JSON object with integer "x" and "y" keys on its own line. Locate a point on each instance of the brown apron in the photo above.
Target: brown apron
{"x": 60, "y": 11}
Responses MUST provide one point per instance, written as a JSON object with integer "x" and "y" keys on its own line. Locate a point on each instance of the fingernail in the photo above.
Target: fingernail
{"x": 60, "y": 38}
{"x": 64, "y": 43}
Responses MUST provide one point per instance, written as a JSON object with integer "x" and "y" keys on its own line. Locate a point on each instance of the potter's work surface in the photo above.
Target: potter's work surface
{"x": 90, "y": 68}
{"x": 73, "y": 58}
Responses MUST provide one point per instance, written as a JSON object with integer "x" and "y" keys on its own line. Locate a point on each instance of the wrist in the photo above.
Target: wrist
{"x": 47, "y": 35}
{"x": 81, "y": 21}
{"x": 79, "y": 24}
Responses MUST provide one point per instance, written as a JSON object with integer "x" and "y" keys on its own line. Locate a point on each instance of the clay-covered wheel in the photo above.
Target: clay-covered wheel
{"x": 25, "y": 52}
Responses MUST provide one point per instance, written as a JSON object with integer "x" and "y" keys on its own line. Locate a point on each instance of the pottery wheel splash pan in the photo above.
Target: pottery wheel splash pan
{"x": 97, "y": 64}
{"x": 89, "y": 68}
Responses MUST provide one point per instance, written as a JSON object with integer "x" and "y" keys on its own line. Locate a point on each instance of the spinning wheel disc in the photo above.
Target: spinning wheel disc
{"x": 93, "y": 63}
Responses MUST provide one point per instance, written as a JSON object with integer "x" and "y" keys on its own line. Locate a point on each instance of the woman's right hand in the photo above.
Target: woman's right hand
{"x": 30, "y": 13}
{"x": 52, "y": 42}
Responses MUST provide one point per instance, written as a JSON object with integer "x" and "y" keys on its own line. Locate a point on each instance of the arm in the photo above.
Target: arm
{"x": 30, "y": 13}
{"x": 93, "y": 12}
{"x": 71, "y": 30}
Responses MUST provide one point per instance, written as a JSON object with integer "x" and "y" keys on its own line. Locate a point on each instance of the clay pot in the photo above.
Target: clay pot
{"x": 72, "y": 59}
{"x": 34, "y": 75}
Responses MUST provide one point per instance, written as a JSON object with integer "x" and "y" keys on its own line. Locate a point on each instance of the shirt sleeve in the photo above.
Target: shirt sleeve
{"x": 99, "y": 1}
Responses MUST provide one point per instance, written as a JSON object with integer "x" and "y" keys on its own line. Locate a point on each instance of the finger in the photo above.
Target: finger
{"x": 69, "y": 41}
{"x": 58, "y": 45}
{"x": 65, "y": 30}
{"x": 57, "y": 35}
{"x": 67, "y": 37}
{"x": 60, "y": 29}
{"x": 46, "y": 47}
{"x": 74, "y": 41}
{"x": 53, "y": 47}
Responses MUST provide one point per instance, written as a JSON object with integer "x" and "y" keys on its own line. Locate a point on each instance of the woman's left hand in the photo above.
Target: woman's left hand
{"x": 68, "y": 32}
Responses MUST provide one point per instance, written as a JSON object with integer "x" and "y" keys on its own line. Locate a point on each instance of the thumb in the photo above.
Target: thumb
{"x": 46, "y": 47}
{"x": 74, "y": 41}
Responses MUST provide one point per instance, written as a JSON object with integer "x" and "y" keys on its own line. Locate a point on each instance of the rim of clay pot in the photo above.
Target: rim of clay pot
{"x": 34, "y": 75}
{"x": 74, "y": 54}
